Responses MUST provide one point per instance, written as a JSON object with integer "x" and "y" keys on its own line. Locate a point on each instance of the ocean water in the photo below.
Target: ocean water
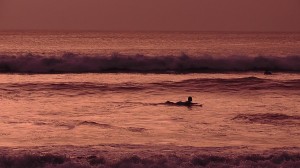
{"x": 65, "y": 91}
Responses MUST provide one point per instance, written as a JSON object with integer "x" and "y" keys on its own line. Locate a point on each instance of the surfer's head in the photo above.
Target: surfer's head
{"x": 267, "y": 72}
{"x": 190, "y": 99}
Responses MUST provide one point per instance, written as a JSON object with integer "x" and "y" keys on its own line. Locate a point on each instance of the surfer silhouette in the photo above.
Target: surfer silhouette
{"x": 267, "y": 72}
{"x": 180, "y": 103}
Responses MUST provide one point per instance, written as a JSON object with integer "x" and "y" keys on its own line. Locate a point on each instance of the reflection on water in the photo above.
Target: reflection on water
{"x": 245, "y": 109}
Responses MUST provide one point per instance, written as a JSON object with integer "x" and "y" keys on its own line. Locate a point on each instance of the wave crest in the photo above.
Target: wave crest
{"x": 72, "y": 63}
{"x": 110, "y": 159}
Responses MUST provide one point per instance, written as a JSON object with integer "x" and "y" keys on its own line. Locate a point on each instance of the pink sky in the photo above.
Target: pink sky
{"x": 152, "y": 15}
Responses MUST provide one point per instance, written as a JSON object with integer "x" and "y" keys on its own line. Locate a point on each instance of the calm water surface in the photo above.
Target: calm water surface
{"x": 150, "y": 43}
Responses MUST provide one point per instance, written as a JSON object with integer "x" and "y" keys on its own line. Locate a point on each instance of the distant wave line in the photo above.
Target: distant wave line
{"x": 201, "y": 84}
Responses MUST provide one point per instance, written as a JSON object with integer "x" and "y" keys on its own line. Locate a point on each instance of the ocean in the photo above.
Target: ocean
{"x": 98, "y": 99}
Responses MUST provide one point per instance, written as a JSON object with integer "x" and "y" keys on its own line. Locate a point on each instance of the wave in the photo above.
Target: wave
{"x": 73, "y": 125}
{"x": 72, "y": 63}
{"x": 101, "y": 159}
{"x": 230, "y": 85}
{"x": 84, "y": 123}
{"x": 269, "y": 118}
{"x": 201, "y": 84}
{"x": 92, "y": 123}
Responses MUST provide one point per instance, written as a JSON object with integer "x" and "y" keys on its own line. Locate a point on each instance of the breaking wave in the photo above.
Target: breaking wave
{"x": 72, "y": 63}
{"x": 282, "y": 159}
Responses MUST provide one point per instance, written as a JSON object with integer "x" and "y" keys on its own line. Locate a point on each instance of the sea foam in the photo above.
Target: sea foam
{"x": 282, "y": 159}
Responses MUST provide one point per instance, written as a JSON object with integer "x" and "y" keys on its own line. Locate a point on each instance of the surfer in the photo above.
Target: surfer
{"x": 180, "y": 103}
{"x": 267, "y": 72}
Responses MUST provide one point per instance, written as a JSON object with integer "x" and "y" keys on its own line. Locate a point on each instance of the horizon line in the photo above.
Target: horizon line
{"x": 94, "y": 30}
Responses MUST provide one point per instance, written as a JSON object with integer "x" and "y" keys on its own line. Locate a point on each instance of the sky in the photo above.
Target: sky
{"x": 151, "y": 15}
